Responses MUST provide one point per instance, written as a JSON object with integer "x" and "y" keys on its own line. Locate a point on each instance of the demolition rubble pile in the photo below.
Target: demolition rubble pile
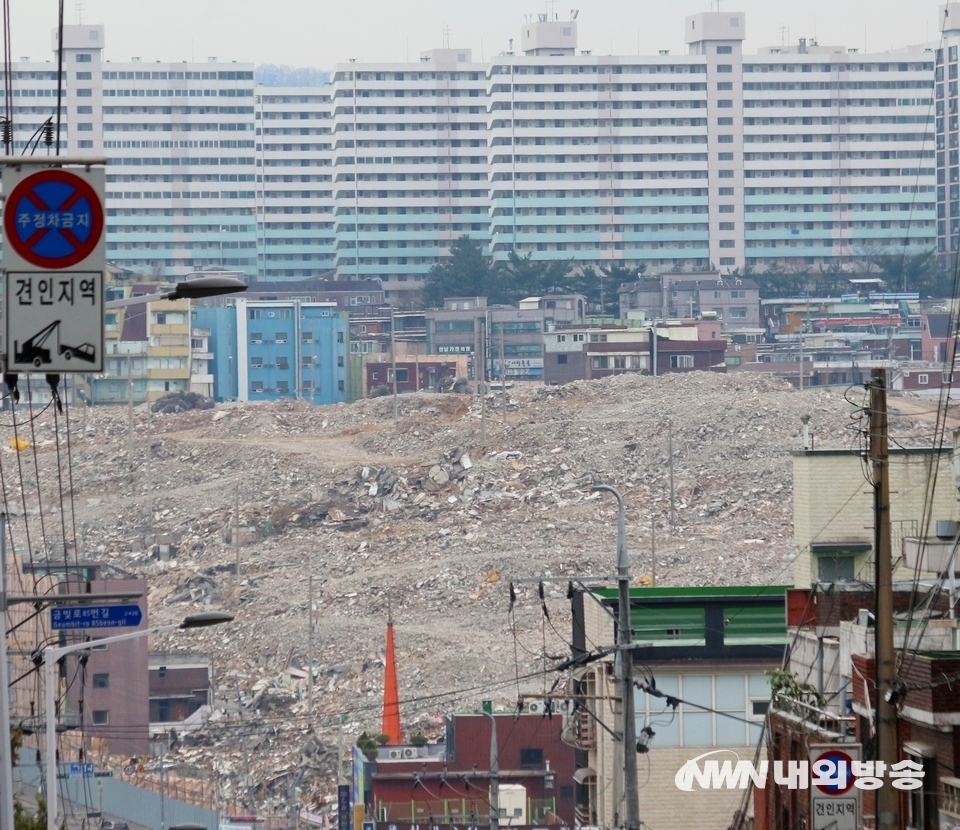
{"x": 427, "y": 519}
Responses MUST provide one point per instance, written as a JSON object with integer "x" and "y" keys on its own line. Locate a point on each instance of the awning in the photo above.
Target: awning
{"x": 583, "y": 774}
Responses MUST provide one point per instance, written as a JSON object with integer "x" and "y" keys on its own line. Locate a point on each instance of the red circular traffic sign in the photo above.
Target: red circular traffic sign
{"x": 53, "y": 219}
{"x": 836, "y": 758}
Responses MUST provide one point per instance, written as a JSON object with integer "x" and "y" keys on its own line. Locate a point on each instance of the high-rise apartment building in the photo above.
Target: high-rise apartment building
{"x": 294, "y": 191}
{"x": 803, "y": 155}
{"x": 948, "y": 134}
{"x": 410, "y": 145}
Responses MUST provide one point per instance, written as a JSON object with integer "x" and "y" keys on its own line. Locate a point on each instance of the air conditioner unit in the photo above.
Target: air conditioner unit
{"x": 410, "y": 752}
{"x": 536, "y": 707}
{"x": 394, "y": 754}
{"x": 563, "y": 707}
{"x": 271, "y": 314}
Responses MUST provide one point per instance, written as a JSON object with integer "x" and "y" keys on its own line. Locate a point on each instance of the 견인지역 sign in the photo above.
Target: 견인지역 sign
{"x": 54, "y": 258}
{"x": 834, "y": 801}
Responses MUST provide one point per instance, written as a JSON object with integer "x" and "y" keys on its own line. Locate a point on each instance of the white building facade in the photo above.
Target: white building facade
{"x": 803, "y": 155}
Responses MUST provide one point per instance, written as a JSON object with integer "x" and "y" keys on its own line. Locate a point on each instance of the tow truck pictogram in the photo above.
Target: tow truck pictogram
{"x": 34, "y": 350}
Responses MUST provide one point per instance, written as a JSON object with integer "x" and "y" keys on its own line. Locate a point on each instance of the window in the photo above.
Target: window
{"x": 738, "y": 313}
{"x": 727, "y": 243}
{"x": 681, "y": 361}
{"x": 725, "y": 121}
{"x": 725, "y": 191}
{"x": 84, "y": 58}
{"x": 403, "y": 375}
{"x": 256, "y": 337}
{"x": 726, "y": 174}
{"x": 256, "y": 386}
{"x": 922, "y": 802}
{"x": 725, "y": 139}
{"x": 599, "y": 362}
{"x": 727, "y": 226}
{"x": 101, "y": 717}
{"x": 101, "y": 680}
{"x": 531, "y": 758}
{"x": 282, "y": 362}
{"x": 734, "y": 694}
{"x": 84, "y": 93}
{"x": 835, "y": 568}
{"x": 923, "y": 380}
{"x": 724, "y": 50}
{"x": 283, "y": 387}
{"x": 84, "y": 76}
{"x": 561, "y": 359}
{"x": 281, "y": 337}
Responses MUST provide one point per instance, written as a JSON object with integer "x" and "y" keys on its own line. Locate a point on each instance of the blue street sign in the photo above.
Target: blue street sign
{"x": 95, "y": 616}
{"x": 86, "y": 770}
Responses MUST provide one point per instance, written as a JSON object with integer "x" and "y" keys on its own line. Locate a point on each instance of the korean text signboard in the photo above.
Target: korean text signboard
{"x": 834, "y": 801}
{"x": 54, "y": 258}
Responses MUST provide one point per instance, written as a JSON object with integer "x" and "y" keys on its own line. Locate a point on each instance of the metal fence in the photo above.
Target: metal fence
{"x": 117, "y": 798}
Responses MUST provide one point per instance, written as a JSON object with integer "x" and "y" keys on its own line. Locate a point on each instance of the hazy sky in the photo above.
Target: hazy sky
{"x": 321, "y": 33}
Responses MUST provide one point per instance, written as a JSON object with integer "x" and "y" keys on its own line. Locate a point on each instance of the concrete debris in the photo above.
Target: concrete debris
{"x": 421, "y": 519}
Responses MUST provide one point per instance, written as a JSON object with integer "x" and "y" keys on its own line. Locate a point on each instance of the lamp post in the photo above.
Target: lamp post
{"x": 52, "y": 655}
{"x": 188, "y": 290}
{"x": 625, "y": 650}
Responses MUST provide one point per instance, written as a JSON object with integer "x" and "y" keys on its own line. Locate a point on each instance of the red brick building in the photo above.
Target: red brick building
{"x": 449, "y": 784}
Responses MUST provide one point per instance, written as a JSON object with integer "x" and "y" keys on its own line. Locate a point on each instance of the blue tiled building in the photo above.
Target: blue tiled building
{"x": 267, "y": 350}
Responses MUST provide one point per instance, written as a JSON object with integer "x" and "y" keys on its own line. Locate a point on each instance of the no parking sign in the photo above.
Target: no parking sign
{"x": 834, "y": 801}
{"x": 54, "y": 258}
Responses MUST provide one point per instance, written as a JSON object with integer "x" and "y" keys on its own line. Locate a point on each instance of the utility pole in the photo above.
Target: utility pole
{"x": 494, "y": 776}
{"x": 628, "y": 730}
{"x": 130, "y": 461}
{"x": 310, "y": 660}
{"x": 801, "y": 355}
{"x": 393, "y": 358}
{"x": 6, "y": 751}
{"x": 482, "y": 383}
{"x": 503, "y": 379}
{"x": 653, "y": 551}
{"x": 670, "y": 468}
{"x": 888, "y": 798}
{"x": 236, "y": 539}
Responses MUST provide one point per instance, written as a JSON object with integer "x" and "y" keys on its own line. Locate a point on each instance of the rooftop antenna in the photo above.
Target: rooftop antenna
{"x": 784, "y": 35}
{"x": 551, "y": 9}
{"x": 446, "y": 36}
{"x": 79, "y": 10}
{"x": 717, "y": 2}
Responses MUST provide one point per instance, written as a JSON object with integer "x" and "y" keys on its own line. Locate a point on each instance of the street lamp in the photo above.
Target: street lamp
{"x": 188, "y": 290}
{"x": 52, "y": 655}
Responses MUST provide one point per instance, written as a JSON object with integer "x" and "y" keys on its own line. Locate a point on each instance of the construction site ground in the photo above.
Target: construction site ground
{"x": 426, "y": 519}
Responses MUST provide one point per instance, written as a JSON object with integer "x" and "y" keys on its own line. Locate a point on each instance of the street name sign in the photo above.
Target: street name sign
{"x": 95, "y": 616}
{"x": 54, "y": 261}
